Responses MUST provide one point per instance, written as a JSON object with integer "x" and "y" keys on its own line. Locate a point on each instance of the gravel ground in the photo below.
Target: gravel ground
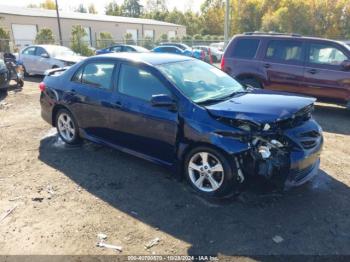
{"x": 64, "y": 196}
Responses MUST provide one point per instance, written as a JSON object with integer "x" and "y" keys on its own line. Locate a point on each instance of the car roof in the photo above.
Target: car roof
{"x": 148, "y": 58}
{"x": 284, "y": 36}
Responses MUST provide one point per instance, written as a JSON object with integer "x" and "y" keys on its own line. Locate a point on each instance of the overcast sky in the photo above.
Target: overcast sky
{"x": 100, "y": 4}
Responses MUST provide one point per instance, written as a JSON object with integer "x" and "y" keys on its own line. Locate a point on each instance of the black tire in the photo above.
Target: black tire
{"x": 20, "y": 83}
{"x": 25, "y": 73}
{"x": 229, "y": 186}
{"x": 76, "y": 138}
{"x": 253, "y": 82}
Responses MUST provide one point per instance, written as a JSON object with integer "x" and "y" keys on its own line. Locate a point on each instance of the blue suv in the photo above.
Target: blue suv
{"x": 187, "y": 115}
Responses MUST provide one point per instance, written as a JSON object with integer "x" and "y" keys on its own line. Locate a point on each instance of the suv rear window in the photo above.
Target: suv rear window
{"x": 245, "y": 48}
{"x": 282, "y": 50}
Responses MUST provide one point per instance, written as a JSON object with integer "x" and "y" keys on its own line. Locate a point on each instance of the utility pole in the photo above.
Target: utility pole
{"x": 227, "y": 21}
{"x": 59, "y": 23}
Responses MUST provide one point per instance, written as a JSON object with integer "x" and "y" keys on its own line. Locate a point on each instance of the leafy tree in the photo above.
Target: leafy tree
{"x": 81, "y": 9}
{"x": 198, "y": 37}
{"x": 148, "y": 42}
{"x": 132, "y": 8}
{"x": 159, "y": 5}
{"x": 105, "y": 40}
{"x": 78, "y": 44}
{"x": 4, "y": 40}
{"x": 92, "y": 9}
{"x": 128, "y": 39}
{"x": 164, "y": 37}
{"x": 112, "y": 8}
{"x": 44, "y": 36}
{"x": 47, "y": 4}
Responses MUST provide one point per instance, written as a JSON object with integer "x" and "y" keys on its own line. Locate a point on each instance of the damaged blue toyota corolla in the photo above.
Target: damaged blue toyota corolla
{"x": 187, "y": 115}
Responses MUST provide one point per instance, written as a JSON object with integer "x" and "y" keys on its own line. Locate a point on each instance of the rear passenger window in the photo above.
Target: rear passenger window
{"x": 98, "y": 75}
{"x": 246, "y": 48}
{"x": 139, "y": 83}
{"x": 289, "y": 51}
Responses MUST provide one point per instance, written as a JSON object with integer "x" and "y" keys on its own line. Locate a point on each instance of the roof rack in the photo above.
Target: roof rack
{"x": 271, "y": 33}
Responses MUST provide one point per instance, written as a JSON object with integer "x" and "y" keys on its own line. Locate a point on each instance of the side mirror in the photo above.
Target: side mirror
{"x": 44, "y": 55}
{"x": 163, "y": 101}
{"x": 346, "y": 65}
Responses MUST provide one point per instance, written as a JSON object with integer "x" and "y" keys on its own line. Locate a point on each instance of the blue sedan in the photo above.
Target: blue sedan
{"x": 122, "y": 48}
{"x": 199, "y": 54}
{"x": 187, "y": 115}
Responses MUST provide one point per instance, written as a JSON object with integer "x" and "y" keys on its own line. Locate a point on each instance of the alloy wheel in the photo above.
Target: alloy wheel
{"x": 66, "y": 127}
{"x": 206, "y": 171}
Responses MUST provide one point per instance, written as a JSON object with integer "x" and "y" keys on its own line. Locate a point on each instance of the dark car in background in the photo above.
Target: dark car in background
{"x": 305, "y": 65}
{"x": 4, "y": 75}
{"x": 186, "y": 50}
{"x": 122, "y": 48}
{"x": 188, "y": 116}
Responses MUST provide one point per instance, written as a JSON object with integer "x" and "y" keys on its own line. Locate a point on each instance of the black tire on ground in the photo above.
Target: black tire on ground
{"x": 76, "y": 139}
{"x": 20, "y": 83}
{"x": 253, "y": 82}
{"x": 25, "y": 73}
{"x": 229, "y": 186}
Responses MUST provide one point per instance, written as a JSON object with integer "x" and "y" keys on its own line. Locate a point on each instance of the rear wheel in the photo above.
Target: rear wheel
{"x": 210, "y": 173}
{"x": 253, "y": 82}
{"x": 67, "y": 127}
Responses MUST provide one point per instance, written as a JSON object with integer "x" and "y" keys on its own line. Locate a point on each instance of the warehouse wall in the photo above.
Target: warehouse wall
{"x": 117, "y": 30}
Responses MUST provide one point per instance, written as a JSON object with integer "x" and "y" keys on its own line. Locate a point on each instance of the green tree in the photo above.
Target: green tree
{"x": 105, "y": 40}
{"x": 92, "y": 9}
{"x": 132, "y": 8}
{"x": 128, "y": 39}
{"x": 148, "y": 42}
{"x": 78, "y": 44}
{"x": 4, "y": 40}
{"x": 112, "y": 8}
{"x": 47, "y": 4}
{"x": 164, "y": 37}
{"x": 44, "y": 36}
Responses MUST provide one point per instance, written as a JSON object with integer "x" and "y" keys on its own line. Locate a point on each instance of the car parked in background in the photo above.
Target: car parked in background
{"x": 4, "y": 75}
{"x": 220, "y": 46}
{"x": 188, "y": 116}
{"x": 122, "y": 48}
{"x": 215, "y": 53}
{"x": 305, "y": 65}
{"x": 36, "y": 59}
{"x": 196, "y": 53}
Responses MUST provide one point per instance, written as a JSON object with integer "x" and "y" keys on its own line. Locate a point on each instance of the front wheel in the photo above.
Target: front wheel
{"x": 67, "y": 127}
{"x": 210, "y": 173}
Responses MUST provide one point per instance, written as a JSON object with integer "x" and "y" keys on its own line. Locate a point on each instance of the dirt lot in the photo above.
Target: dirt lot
{"x": 65, "y": 196}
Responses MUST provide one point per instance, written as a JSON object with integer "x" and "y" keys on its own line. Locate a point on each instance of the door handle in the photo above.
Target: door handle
{"x": 313, "y": 71}
{"x": 267, "y": 65}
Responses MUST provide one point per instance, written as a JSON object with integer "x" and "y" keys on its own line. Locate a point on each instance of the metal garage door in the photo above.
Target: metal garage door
{"x": 24, "y": 34}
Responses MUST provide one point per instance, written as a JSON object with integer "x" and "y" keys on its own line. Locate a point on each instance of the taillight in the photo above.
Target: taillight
{"x": 223, "y": 63}
{"x": 42, "y": 86}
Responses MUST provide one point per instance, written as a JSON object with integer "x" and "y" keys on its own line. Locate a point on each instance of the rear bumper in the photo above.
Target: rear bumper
{"x": 46, "y": 109}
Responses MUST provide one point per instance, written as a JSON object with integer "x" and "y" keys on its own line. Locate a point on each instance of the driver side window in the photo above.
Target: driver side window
{"x": 326, "y": 55}
{"x": 140, "y": 83}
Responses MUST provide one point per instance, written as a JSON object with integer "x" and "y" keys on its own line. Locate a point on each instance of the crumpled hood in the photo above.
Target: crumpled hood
{"x": 261, "y": 106}
{"x": 71, "y": 58}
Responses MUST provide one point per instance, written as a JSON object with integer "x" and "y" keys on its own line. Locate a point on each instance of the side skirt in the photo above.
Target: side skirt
{"x": 168, "y": 165}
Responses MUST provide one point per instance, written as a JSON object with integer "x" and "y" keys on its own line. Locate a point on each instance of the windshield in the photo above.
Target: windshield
{"x": 61, "y": 51}
{"x": 200, "y": 81}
